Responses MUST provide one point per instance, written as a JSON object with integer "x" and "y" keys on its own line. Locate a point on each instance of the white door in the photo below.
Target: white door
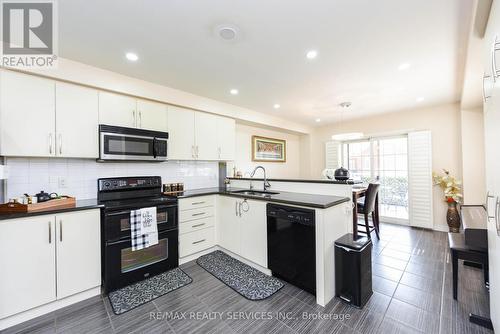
{"x": 226, "y": 138}
{"x": 77, "y": 121}
{"x": 118, "y": 110}
{"x": 152, "y": 115}
{"x": 180, "y": 134}
{"x": 206, "y": 140}
{"x": 78, "y": 252}
{"x": 253, "y": 232}
{"x": 27, "y": 114}
{"x": 228, "y": 224}
{"x": 27, "y": 262}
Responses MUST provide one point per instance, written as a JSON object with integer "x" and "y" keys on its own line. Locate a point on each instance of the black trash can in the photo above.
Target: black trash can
{"x": 353, "y": 269}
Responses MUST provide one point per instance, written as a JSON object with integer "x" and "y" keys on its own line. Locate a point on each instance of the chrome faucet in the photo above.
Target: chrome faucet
{"x": 266, "y": 183}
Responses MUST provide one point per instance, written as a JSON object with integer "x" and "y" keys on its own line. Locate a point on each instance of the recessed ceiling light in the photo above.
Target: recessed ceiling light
{"x": 131, "y": 56}
{"x": 318, "y": 120}
{"x": 234, "y": 91}
{"x": 276, "y": 106}
{"x": 420, "y": 99}
{"x": 227, "y": 32}
{"x": 311, "y": 54}
{"x": 404, "y": 66}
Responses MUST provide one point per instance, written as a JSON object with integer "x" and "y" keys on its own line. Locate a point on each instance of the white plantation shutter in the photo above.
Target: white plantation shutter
{"x": 332, "y": 154}
{"x": 420, "y": 179}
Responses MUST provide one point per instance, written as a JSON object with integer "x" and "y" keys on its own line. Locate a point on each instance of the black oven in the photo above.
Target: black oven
{"x": 119, "y": 143}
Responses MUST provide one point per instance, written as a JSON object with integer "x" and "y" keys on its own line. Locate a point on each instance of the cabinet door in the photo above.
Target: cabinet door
{"x": 180, "y": 133}
{"x": 151, "y": 115}
{"x": 254, "y": 232}
{"x": 27, "y": 113}
{"x": 206, "y": 140}
{"x": 226, "y": 138}
{"x": 228, "y": 224}
{"x": 27, "y": 262}
{"x": 78, "y": 252}
{"x": 118, "y": 110}
{"x": 77, "y": 121}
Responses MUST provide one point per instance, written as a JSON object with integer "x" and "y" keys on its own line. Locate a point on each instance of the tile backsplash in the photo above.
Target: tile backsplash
{"x": 78, "y": 177}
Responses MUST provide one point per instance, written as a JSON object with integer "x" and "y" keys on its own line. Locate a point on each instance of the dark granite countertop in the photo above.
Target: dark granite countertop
{"x": 350, "y": 182}
{"x": 86, "y": 204}
{"x": 284, "y": 197}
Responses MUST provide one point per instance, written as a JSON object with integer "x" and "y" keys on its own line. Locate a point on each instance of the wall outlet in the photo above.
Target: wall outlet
{"x": 62, "y": 182}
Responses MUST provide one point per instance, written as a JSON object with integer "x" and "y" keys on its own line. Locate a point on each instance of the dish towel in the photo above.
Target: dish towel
{"x": 143, "y": 228}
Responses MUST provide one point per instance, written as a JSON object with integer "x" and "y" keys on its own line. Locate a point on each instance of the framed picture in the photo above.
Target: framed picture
{"x": 268, "y": 149}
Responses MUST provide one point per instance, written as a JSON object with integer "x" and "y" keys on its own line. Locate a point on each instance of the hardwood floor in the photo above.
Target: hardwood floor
{"x": 412, "y": 294}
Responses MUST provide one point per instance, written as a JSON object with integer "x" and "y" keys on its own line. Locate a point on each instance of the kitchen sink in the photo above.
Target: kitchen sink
{"x": 255, "y": 193}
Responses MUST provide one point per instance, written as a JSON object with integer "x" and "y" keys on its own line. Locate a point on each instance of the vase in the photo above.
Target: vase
{"x": 453, "y": 217}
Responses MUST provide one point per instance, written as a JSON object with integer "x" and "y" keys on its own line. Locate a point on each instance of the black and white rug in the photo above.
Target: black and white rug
{"x": 132, "y": 296}
{"x": 247, "y": 281}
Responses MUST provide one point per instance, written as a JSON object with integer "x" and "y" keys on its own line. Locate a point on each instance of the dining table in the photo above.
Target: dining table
{"x": 357, "y": 193}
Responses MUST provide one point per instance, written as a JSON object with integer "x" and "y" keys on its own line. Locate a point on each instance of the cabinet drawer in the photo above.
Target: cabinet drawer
{"x": 188, "y": 215}
{"x": 197, "y": 241}
{"x": 196, "y": 202}
{"x": 195, "y": 225}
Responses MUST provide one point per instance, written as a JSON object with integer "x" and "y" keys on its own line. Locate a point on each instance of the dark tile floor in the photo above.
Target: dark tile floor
{"x": 412, "y": 294}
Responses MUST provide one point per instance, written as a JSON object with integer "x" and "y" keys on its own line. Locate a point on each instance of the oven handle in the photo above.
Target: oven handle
{"x": 129, "y": 240}
{"x": 118, "y": 213}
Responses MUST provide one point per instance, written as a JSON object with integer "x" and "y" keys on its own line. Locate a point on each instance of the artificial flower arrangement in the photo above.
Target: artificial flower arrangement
{"x": 450, "y": 185}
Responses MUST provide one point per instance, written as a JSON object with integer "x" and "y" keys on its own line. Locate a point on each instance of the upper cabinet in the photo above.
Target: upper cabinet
{"x": 197, "y": 135}
{"x": 76, "y": 121}
{"x": 121, "y": 110}
{"x": 27, "y": 115}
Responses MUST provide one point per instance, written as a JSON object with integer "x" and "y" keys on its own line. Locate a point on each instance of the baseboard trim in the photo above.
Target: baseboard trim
{"x": 47, "y": 308}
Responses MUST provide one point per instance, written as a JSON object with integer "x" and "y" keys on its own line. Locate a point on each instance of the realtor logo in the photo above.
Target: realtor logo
{"x": 28, "y": 33}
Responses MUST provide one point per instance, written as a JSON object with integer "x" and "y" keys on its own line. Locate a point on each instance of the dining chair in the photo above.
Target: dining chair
{"x": 366, "y": 206}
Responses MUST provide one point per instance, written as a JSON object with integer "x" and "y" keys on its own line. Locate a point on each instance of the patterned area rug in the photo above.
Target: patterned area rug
{"x": 247, "y": 281}
{"x": 132, "y": 296}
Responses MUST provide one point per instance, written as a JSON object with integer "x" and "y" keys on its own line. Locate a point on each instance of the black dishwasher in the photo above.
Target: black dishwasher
{"x": 291, "y": 245}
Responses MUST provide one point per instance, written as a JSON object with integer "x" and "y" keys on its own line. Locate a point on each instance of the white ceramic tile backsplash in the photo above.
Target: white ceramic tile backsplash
{"x": 35, "y": 174}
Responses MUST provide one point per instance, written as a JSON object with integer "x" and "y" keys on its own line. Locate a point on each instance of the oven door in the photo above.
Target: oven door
{"x": 117, "y": 223}
{"x": 124, "y": 266}
{"x": 127, "y": 146}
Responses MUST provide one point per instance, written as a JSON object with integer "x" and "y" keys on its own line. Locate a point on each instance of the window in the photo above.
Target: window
{"x": 384, "y": 160}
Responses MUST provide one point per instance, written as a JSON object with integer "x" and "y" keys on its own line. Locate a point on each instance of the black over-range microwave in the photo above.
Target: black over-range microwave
{"x": 130, "y": 144}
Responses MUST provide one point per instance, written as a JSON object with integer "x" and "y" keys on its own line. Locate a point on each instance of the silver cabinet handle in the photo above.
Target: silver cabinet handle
{"x": 197, "y": 225}
{"x": 197, "y": 203}
{"x": 488, "y": 196}
{"x": 197, "y": 242}
{"x": 50, "y": 143}
{"x": 134, "y": 122}
{"x": 140, "y": 119}
{"x": 50, "y": 233}
{"x": 198, "y": 214}
{"x": 192, "y": 151}
{"x": 497, "y": 221}
{"x": 494, "y": 70}
{"x": 236, "y": 208}
{"x": 60, "y": 230}
{"x": 484, "y": 92}
{"x": 239, "y": 209}
{"x": 60, "y": 143}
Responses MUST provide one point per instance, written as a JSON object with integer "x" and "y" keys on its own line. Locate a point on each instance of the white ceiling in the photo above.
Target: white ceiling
{"x": 360, "y": 45}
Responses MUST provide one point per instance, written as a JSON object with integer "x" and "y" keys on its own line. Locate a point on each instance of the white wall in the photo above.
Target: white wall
{"x": 442, "y": 121}
{"x": 244, "y": 163}
{"x": 35, "y": 174}
{"x": 473, "y": 162}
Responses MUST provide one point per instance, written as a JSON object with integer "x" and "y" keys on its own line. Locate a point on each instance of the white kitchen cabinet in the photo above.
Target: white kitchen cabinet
{"x": 205, "y": 138}
{"x": 242, "y": 228}
{"x": 77, "y": 121}
{"x": 27, "y": 115}
{"x": 253, "y": 232}
{"x": 118, "y": 110}
{"x": 78, "y": 252}
{"x": 152, "y": 115}
{"x": 226, "y": 138}
{"x": 28, "y": 264}
{"x": 228, "y": 224}
{"x": 48, "y": 257}
{"x": 181, "y": 144}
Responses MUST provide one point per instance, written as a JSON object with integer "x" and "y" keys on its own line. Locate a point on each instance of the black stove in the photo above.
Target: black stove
{"x": 121, "y": 265}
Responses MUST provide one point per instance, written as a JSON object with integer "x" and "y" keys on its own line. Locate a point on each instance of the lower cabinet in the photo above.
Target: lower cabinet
{"x": 242, "y": 228}
{"x": 48, "y": 257}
